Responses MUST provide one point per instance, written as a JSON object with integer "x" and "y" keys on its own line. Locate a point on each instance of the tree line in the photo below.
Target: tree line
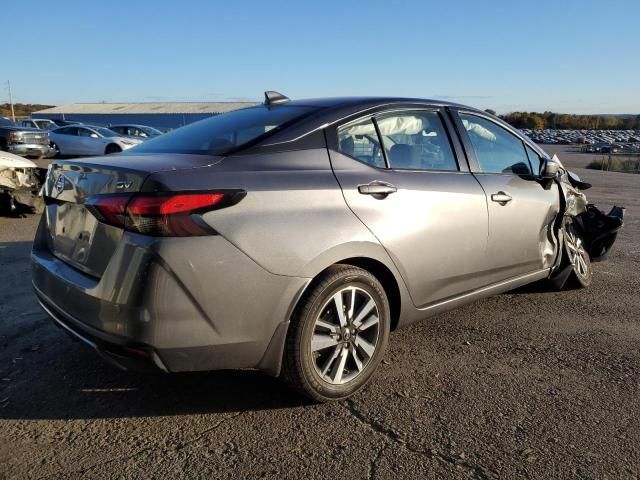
{"x": 21, "y": 109}
{"x": 566, "y": 121}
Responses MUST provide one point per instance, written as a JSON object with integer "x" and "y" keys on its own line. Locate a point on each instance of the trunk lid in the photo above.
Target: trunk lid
{"x": 74, "y": 234}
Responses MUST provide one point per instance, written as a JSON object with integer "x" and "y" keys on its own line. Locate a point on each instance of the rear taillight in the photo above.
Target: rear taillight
{"x": 170, "y": 214}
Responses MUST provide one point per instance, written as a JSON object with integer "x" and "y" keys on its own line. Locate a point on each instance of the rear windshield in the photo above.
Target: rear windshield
{"x": 226, "y": 132}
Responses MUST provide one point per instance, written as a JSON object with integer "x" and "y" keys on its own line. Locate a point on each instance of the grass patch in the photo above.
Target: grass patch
{"x": 629, "y": 165}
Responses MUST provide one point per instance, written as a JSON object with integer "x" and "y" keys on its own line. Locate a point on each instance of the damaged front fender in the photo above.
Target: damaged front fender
{"x": 597, "y": 230}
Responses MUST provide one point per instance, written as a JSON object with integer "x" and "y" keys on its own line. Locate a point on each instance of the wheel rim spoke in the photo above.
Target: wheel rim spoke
{"x": 338, "y": 367}
{"x": 364, "y": 311}
{"x": 330, "y": 360}
{"x": 356, "y": 359}
{"x": 320, "y": 342}
{"x": 370, "y": 322}
{"x": 365, "y": 346}
{"x": 352, "y": 292}
{"x": 327, "y": 325}
{"x": 337, "y": 300}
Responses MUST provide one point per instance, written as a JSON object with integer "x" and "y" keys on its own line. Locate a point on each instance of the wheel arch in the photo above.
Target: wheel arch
{"x": 112, "y": 144}
{"x": 379, "y": 270}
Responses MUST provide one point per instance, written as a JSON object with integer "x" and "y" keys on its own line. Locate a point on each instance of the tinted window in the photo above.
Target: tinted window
{"x": 44, "y": 125}
{"x": 226, "y": 132}
{"x": 83, "y": 132}
{"x": 360, "y": 141}
{"x": 416, "y": 141}
{"x": 67, "y": 131}
{"x": 496, "y": 149}
{"x": 118, "y": 129}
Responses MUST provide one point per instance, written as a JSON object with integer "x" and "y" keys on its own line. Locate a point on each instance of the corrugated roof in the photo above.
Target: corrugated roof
{"x": 142, "y": 108}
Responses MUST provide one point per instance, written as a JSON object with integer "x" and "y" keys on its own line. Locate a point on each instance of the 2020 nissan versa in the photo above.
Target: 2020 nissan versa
{"x": 292, "y": 236}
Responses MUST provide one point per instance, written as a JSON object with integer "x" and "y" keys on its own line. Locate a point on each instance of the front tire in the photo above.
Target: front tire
{"x": 581, "y": 274}
{"x": 338, "y": 334}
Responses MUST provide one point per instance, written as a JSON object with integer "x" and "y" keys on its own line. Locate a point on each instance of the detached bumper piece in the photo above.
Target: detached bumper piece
{"x": 599, "y": 230}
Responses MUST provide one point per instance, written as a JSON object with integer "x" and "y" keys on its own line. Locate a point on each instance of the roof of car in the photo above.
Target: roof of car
{"x": 365, "y": 101}
{"x": 331, "y": 110}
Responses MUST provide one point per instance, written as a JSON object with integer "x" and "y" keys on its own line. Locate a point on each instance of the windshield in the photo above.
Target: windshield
{"x": 152, "y": 132}
{"x": 105, "y": 132}
{"x": 225, "y": 132}
{"x": 5, "y": 122}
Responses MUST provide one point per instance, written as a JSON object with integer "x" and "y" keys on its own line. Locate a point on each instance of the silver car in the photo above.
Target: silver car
{"x": 76, "y": 140}
{"x": 292, "y": 237}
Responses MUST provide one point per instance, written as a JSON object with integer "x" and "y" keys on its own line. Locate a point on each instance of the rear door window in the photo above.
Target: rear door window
{"x": 496, "y": 149}
{"x": 67, "y": 131}
{"x": 416, "y": 140}
{"x": 360, "y": 141}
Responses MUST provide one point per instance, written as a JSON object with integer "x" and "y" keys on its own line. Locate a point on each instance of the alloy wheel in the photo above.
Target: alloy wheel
{"x": 345, "y": 335}
{"x": 578, "y": 256}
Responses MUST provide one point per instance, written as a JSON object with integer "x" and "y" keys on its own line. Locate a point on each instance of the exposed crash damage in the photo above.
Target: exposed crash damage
{"x": 587, "y": 233}
{"x": 20, "y": 183}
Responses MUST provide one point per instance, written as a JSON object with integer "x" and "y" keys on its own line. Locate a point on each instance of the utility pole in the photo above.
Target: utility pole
{"x": 13, "y": 113}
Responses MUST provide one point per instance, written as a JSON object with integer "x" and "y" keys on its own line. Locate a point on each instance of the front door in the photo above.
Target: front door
{"x": 401, "y": 178}
{"x": 522, "y": 210}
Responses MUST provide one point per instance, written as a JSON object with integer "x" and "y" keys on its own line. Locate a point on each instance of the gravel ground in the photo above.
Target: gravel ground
{"x": 532, "y": 383}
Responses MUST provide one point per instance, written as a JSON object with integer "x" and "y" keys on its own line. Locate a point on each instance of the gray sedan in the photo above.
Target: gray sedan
{"x": 293, "y": 236}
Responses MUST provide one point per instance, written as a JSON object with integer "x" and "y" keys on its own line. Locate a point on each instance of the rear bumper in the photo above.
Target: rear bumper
{"x": 118, "y": 351}
{"x": 178, "y": 304}
{"x": 31, "y": 150}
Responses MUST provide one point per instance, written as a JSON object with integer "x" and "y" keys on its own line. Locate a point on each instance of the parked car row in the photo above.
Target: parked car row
{"x": 40, "y": 137}
{"x": 587, "y": 137}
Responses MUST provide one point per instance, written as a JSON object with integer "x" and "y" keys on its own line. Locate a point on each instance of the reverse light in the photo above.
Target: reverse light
{"x": 170, "y": 214}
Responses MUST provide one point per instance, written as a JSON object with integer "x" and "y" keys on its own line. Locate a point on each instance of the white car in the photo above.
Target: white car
{"x": 19, "y": 184}
{"x": 80, "y": 140}
{"x": 39, "y": 123}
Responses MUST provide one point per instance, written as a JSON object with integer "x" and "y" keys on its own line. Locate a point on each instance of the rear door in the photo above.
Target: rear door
{"x": 522, "y": 210}
{"x": 403, "y": 175}
{"x": 66, "y": 139}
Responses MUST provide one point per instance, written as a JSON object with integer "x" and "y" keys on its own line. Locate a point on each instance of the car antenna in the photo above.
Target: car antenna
{"x": 272, "y": 97}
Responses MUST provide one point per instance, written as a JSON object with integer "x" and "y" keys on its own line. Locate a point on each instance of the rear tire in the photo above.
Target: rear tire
{"x": 112, "y": 148}
{"x": 338, "y": 334}
{"x": 581, "y": 273}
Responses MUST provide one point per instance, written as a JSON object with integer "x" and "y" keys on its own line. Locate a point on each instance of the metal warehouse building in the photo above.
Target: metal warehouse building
{"x": 159, "y": 115}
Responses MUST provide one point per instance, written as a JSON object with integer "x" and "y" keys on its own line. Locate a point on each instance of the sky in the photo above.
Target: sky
{"x": 562, "y": 55}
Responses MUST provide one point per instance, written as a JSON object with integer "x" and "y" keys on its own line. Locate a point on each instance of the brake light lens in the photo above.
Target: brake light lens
{"x": 171, "y": 214}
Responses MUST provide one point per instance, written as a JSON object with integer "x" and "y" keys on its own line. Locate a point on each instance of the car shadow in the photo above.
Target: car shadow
{"x": 541, "y": 286}
{"x": 79, "y": 385}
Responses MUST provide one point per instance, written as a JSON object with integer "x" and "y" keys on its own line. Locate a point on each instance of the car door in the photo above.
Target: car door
{"x": 522, "y": 208}
{"x": 65, "y": 138}
{"x": 89, "y": 142}
{"x": 408, "y": 183}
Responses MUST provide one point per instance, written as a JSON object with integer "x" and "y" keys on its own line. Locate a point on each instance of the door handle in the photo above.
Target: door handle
{"x": 381, "y": 189}
{"x": 501, "y": 197}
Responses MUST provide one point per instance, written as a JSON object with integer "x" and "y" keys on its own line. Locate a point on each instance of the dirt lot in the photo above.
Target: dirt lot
{"x": 533, "y": 384}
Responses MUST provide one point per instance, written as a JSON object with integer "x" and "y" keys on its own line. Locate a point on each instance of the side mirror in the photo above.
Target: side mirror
{"x": 549, "y": 169}
{"x": 94, "y": 135}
